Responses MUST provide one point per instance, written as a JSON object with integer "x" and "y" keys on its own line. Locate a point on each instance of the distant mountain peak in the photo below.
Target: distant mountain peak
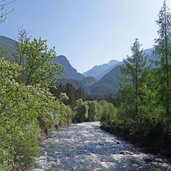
{"x": 113, "y": 62}
{"x": 109, "y": 84}
{"x": 62, "y": 60}
{"x": 62, "y": 57}
{"x": 98, "y": 71}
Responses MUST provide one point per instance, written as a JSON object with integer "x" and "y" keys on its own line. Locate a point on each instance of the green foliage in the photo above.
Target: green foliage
{"x": 63, "y": 97}
{"x": 36, "y": 59}
{"x": 92, "y": 111}
{"x": 163, "y": 49}
{"x": 73, "y": 94}
{"x": 18, "y": 126}
{"x": 108, "y": 113}
{"x": 20, "y": 108}
{"x": 26, "y": 108}
{"x": 81, "y": 111}
{"x": 143, "y": 103}
{"x": 87, "y": 111}
{"x": 132, "y": 81}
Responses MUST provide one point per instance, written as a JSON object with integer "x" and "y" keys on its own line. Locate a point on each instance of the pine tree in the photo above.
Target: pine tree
{"x": 132, "y": 79}
{"x": 163, "y": 49}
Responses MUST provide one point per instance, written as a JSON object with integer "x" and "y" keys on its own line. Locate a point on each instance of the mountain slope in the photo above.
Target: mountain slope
{"x": 7, "y": 42}
{"x": 69, "y": 71}
{"x": 7, "y": 46}
{"x": 99, "y": 71}
{"x": 84, "y": 83}
{"x": 109, "y": 84}
{"x": 88, "y": 81}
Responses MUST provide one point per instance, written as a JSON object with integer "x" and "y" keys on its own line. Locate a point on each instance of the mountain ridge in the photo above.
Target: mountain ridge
{"x": 98, "y": 71}
{"x": 107, "y": 83}
{"x": 69, "y": 71}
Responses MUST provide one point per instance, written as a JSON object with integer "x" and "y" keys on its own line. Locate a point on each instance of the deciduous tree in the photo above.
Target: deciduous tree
{"x": 36, "y": 59}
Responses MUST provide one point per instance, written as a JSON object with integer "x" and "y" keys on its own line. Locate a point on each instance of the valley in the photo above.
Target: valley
{"x": 115, "y": 116}
{"x": 86, "y": 147}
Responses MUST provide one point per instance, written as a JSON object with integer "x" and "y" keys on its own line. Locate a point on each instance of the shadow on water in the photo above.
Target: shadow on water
{"x": 86, "y": 147}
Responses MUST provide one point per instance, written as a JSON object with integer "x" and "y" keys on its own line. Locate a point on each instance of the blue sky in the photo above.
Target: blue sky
{"x": 87, "y": 32}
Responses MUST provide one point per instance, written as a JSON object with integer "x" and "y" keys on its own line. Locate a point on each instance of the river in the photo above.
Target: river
{"x": 85, "y": 147}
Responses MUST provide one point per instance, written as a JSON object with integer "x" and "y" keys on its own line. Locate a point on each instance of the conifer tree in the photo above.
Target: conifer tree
{"x": 163, "y": 49}
{"x": 133, "y": 79}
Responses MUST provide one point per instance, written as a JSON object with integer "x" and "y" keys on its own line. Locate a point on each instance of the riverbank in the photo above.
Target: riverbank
{"x": 150, "y": 148}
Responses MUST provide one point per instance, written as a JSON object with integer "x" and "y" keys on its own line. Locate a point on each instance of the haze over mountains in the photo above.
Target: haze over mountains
{"x": 102, "y": 79}
{"x": 99, "y": 71}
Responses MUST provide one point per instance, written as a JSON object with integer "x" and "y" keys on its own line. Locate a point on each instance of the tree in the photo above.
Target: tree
{"x": 81, "y": 111}
{"x": 37, "y": 61}
{"x": 163, "y": 49}
{"x": 133, "y": 78}
{"x": 92, "y": 110}
{"x": 23, "y": 111}
{"x": 63, "y": 98}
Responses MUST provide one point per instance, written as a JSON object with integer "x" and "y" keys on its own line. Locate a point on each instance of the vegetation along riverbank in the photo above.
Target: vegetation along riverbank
{"x": 41, "y": 92}
{"x": 143, "y": 103}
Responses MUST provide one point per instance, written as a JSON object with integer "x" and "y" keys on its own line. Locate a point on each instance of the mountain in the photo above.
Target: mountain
{"x": 7, "y": 42}
{"x": 88, "y": 81}
{"x": 109, "y": 84}
{"x": 69, "y": 71}
{"x": 99, "y": 71}
{"x": 7, "y": 46}
{"x": 106, "y": 74}
{"x": 84, "y": 83}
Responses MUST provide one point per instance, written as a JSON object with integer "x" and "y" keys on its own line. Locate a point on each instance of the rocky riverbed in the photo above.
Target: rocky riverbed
{"x": 85, "y": 147}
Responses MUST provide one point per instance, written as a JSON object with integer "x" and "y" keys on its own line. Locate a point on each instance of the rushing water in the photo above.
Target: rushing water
{"x": 85, "y": 147}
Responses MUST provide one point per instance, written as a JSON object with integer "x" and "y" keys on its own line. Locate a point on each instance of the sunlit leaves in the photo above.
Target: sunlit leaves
{"x": 37, "y": 61}
{"x": 20, "y": 107}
